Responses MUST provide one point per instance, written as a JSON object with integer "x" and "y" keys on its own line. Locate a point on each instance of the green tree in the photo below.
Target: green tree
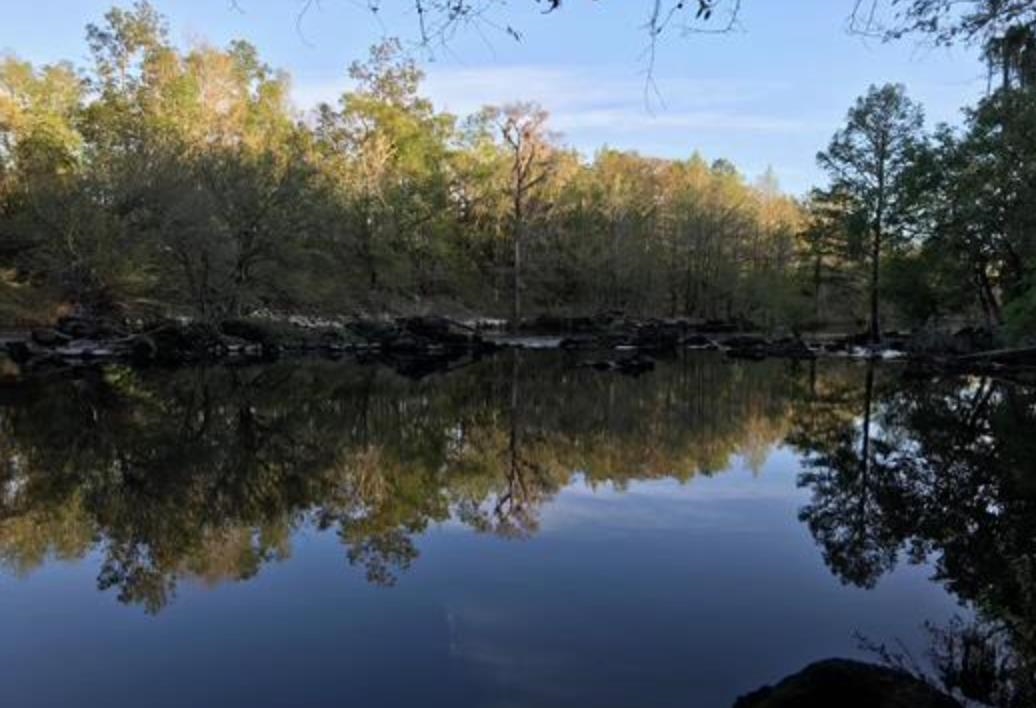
{"x": 390, "y": 149}
{"x": 869, "y": 161}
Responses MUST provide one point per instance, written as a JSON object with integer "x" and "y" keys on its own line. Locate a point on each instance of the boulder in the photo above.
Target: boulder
{"x": 746, "y": 346}
{"x": 375, "y": 332}
{"x": 745, "y": 341}
{"x": 250, "y": 331}
{"x": 143, "y": 349}
{"x": 19, "y": 351}
{"x": 50, "y": 337}
{"x": 88, "y": 328}
{"x": 579, "y": 342}
{"x": 419, "y": 365}
{"x": 560, "y": 325}
{"x": 658, "y": 335}
{"x": 418, "y": 334}
{"x": 848, "y": 684}
{"x": 407, "y": 343}
{"x": 717, "y": 327}
{"x": 337, "y": 339}
{"x": 790, "y": 348}
{"x": 177, "y": 343}
{"x": 932, "y": 341}
{"x": 971, "y": 340}
{"x": 85, "y": 349}
{"x": 439, "y": 330}
{"x": 699, "y": 341}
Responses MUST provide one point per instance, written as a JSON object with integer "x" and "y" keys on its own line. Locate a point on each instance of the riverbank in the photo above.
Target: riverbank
{"x": 428, "y": 343}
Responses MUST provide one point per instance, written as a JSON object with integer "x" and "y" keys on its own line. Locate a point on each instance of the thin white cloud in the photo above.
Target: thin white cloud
{"x": 627, "y": 120}
{"x": 561, "y": 88}
{"x": 584, "y": 99}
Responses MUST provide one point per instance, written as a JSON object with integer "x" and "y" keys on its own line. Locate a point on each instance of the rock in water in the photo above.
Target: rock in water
{"x": 194, "y": 341}
{"x": 746, "y": 346}
{"x": 438, "y": 330}
{"x": 658, "y": 335}
{"x": 791, "y": 348}
{"x": 50, "y": 337}
{"x": 249, "y": 331}
{"x": 699, "y": 341}
{"x": 19, "y": 351}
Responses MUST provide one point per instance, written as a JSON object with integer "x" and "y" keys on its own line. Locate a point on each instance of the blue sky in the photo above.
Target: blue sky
{"x": 768, "y": 94}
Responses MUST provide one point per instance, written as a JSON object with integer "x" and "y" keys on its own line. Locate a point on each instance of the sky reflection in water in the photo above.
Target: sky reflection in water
{"x": 518, "y": 532}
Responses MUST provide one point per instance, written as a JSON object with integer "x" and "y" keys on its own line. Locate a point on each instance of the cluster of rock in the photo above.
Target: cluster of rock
{"x": 669, "y": 335}
{"x": 971, "y": 349}
{"x": 615, "y": 331}
{"x": 174, "y": 342}
{"x": 420, "y": 345}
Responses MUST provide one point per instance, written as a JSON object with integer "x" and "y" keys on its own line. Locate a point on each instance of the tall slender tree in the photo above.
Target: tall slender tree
{"x": 529, "y": 146}
{"x": 869, "y": 160}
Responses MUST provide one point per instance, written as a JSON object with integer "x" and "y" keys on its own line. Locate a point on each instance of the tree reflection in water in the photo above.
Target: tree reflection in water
{"x": 943, "y": 471}
{"x": 207, "y": 473}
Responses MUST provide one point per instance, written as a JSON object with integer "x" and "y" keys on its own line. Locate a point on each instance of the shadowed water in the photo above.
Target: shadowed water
{"x": 517, "y": 532}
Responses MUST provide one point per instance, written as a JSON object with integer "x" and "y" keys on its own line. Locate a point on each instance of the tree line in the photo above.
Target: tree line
{"x": 185, "y": 181}
{"x": 166, "y": 181}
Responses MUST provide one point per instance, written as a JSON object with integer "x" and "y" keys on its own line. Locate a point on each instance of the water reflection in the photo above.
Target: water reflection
{"x": 939, "y": 470}
{"x": 209, "y": 474}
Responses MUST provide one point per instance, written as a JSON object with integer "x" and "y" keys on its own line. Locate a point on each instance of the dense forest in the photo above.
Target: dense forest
{"x": 160, "y": 181}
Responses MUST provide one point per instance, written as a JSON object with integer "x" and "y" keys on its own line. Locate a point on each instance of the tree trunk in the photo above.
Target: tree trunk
{"x": 990, "y": 304}
{"x": 875, "y": 324}
{"x": 516, "y": 285}
{"x": 817, "y": 273}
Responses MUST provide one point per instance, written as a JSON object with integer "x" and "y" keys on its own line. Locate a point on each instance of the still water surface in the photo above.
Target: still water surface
{"x": 516, "y": 532}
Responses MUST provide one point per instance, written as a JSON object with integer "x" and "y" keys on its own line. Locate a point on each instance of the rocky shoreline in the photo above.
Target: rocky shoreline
{"x": 416, "y": 344}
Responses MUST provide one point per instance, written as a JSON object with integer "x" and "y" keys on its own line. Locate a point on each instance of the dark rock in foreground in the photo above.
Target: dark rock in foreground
{"x": 842, "y": 683}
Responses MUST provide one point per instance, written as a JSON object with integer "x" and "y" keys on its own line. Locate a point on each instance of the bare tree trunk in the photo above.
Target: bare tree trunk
{"x": 993, "y": 311}
{"x": 516, "y": 285}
